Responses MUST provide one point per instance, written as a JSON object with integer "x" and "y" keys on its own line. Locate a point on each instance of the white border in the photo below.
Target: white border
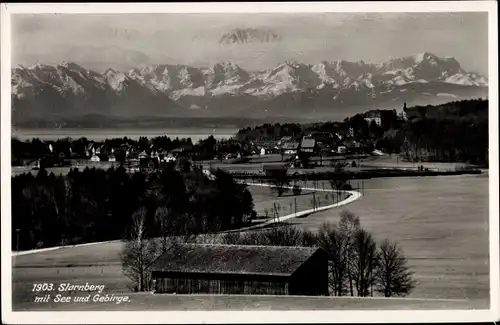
{"x": 245, "y": 316}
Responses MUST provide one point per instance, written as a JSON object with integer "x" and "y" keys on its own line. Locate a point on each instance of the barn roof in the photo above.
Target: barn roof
{"x": 233, "y": 259}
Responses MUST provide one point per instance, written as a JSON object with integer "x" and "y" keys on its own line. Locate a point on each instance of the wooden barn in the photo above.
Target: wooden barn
{"x": 240, "y": 269}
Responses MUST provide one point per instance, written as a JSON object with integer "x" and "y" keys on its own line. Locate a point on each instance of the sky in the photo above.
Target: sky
{"x": 124, "y": 41}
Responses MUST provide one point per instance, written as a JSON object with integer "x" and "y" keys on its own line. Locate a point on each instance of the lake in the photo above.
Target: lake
{"x": 195, "y": 134}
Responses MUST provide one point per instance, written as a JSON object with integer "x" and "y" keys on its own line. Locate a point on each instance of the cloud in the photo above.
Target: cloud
{"x": 193, "y": 38}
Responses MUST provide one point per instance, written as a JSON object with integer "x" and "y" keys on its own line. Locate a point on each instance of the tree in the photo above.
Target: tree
{"x": 348, "y": 226}
{"x": 284, "y": 236}
{"x": 331, "y": 239}
{"x": 279, "y": 179}
{"x": 296, "y": 190}
{"x": 364, "y": 262}
{"x": 162, "y": 217}
{"x": 393, "y": 275}
{"x": 139, "y": 252}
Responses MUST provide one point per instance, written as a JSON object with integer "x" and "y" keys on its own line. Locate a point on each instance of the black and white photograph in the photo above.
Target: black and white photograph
{"x": 308, "y": 162}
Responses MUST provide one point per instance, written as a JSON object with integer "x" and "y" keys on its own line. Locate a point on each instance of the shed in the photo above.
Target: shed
{"x": 241, "y": 269}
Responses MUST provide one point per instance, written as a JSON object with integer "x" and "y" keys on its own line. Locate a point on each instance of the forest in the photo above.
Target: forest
{"x": 97, "y": 205}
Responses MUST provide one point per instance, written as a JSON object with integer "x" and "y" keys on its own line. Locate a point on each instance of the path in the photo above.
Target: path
{"x": 353, "y": 196}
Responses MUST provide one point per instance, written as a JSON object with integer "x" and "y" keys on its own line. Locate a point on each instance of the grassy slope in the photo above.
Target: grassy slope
{"x": 448, "y": 255}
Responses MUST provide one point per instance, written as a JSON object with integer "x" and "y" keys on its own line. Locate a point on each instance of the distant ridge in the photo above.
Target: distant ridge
{"x": 226, "y": 89}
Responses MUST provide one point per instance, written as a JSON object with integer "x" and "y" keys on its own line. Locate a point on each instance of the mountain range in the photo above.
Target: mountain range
{"x": 291, "y": 89}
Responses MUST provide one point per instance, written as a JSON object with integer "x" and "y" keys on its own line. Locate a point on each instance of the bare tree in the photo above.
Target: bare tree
{"x": 332, "y": 240}
{"x": 393, "y": 275}
{"x": 364, "y": 262}
{"x": 253, "y": 238}
{"x": 309, "y": 238}
{"x": 162, "y": 216}
{"x": 285, "y": 235}
{"x": 348, "y": 225}
{"x": 139, "y": 252}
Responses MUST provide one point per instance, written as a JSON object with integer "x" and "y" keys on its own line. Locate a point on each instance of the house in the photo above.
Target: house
{"x": 95, "y": 158}
{"x": 269, "y": 146}
{"x": 143, "y": 155}
{"x": 148, "y": 164}
{"x": 324, "y": 137}
{"x": 308, "y": 145}
{"x": 284, "y": 140}
{"x": 373, "y": 116}
{"x": 169, "y": 158}
{"x": 90, "y": 149}
{"x": 241, "y": 269}
{"x": 290, "y": 148}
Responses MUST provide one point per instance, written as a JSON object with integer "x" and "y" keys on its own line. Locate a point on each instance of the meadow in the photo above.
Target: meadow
{"x": 441, "y": 224}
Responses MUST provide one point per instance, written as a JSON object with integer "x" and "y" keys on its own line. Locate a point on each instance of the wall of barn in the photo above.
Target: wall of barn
{"x": 218, "y": 285}
{"x": 311, "y": 279}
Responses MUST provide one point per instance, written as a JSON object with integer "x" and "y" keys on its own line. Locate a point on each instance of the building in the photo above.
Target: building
{"x": 350, "y": 132}
{"x": 240, "y": 269}
{"x": 323, "y": 137}
{"x": 284, "y": 140}
{"x": 290, "y": 148}
{"x": 169, "y": 158}
{"x": 308, "y": 145}
{"x": 147, "y": 165}
{"x": 95, "y": 158}
{"x": 373, "y": 116}
{"x": 143, "y": 155}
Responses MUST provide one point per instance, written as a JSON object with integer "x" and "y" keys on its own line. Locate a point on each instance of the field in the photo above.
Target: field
{"x": 440, "y": 222}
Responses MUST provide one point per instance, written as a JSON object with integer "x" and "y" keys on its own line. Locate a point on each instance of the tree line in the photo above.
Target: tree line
{"x": 97, "y": 205}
